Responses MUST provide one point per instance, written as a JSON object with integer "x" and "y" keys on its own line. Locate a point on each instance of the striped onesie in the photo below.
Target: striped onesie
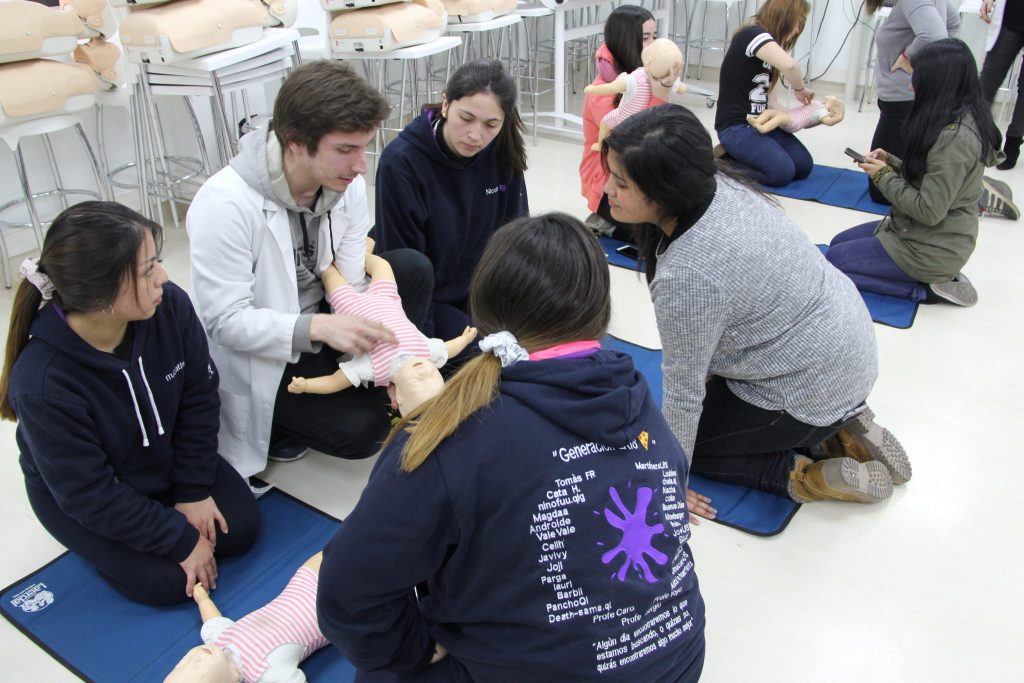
{"x": 636, "y": 98}
{"x": 381, "y": 303}
{"x": 270, "y": 643}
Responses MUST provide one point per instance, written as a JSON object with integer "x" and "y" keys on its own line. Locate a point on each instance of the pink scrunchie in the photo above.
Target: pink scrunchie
{"x": 30, "y": 270}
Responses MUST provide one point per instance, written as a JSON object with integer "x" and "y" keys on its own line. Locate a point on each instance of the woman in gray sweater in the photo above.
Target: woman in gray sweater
{"x": 910, "y": 26}
{"x": 768, "y": 349}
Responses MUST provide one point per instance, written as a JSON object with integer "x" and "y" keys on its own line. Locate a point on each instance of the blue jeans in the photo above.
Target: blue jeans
{"x": 773, "y": 159}
{"x": 860, "y": 255}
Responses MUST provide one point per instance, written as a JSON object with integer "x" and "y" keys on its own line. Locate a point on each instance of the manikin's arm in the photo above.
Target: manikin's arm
{"x": 328, "y": 384}
{"x": 459, "y": 344}
{"x": 207, "y": 609}
{"x": 379, "y": 269}
{"x": 614, "y": 88}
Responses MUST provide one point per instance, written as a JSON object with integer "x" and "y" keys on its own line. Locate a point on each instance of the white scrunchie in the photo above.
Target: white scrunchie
{"x": 41, "y": 282}
{"x": 505, "y": 346}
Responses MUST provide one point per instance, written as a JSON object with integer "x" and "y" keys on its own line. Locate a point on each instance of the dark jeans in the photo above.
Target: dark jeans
{"x": 353, "y": 422}
{"x": 861, "y": 256}
{"x": 448, "y": 670}
{"x": 143, "y": 577}
{"x": 773, "y": 159}
{"x": 997, "y": 64}
{"x": 889, "y": 136}
{"x": 739, "y": 443}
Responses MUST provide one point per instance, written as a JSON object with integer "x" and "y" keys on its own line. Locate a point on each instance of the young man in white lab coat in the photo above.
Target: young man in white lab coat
{"x": 261, "y": 231}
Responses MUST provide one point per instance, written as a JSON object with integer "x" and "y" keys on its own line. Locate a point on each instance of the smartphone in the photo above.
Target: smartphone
{"x": 856, "y": 156}
{"x": 629, "y": 251}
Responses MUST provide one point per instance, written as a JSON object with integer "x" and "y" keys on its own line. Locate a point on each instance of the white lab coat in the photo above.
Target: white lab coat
{"x": 245, "y": 290}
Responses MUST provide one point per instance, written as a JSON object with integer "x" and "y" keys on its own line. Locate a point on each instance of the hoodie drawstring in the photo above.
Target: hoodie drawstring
{"x": 135, "y": 403}
{"x": 138, "y": 413}
{"x": 152, "y": 401}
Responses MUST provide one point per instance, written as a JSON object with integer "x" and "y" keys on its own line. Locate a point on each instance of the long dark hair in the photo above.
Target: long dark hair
{"x": 542, "y": 278}
{"x": 667, "y": 153}
{"x": 624, "y": 36}
{"x": 90, "y": 251}
{"x": 489, "y": 76}
{"x": 946, "y": 91}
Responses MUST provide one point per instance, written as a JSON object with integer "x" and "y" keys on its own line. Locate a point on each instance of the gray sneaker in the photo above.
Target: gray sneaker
{"x": 997, "y": 198}
{"x": 599, "y": 226}
{"x": 957, "y": 291}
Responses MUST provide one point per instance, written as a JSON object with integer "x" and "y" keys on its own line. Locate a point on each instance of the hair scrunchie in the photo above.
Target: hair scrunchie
{"x": 30, "y": 269}
{"x": 505, "y": 347}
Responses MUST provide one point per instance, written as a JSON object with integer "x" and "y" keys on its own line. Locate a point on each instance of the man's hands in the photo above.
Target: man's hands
{"x": 348, "y": 333}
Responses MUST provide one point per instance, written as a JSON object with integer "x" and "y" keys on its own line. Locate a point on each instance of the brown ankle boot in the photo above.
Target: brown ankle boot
{"x": 839, "y": 479}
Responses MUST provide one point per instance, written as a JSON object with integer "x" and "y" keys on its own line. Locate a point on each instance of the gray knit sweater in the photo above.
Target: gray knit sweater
{"x": 911, "y": 25}
{"x": 744, "y": 295}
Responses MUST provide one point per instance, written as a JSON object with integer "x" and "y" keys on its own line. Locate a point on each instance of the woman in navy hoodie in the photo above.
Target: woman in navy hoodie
{"x": 537, "y": 505}
{"x": 108, "y": 375}
{"x": 450, "y": 179}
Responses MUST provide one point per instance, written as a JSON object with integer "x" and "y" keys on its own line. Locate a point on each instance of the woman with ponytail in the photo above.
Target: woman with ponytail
{"x": 536, "y": 505}
{"x": 109, "y": 377}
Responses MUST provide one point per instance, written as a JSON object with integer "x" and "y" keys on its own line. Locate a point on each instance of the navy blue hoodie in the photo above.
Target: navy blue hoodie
{"x": 443, "y": 206}
{"x": 551, "y": 531}
{"x": 106, "y": 436}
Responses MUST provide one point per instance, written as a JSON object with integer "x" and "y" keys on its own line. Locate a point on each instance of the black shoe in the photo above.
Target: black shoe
{"x": 1011, "y": 148}
{"x": 287, "y": 449}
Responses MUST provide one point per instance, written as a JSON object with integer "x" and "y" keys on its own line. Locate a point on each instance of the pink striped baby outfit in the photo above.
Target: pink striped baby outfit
{"x": 381, "y": 303}
{"x": 288, "y": 618}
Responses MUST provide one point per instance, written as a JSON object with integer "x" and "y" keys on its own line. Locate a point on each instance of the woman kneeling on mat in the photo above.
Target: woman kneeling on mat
{"x": 917, "y": 251}
{"x": 768, "y": 350}
{"x": 109, "y": 378}
{"x": 535, "y": 505}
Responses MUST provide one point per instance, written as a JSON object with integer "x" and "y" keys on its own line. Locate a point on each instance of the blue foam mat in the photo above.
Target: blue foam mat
{"x": 885, "y": 310}
{"x": 755, "y": 512}
{"x": 101, "y": 636}
{"x": 833, "y": 186}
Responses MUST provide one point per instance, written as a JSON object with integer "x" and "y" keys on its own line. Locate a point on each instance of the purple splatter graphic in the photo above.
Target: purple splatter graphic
{"x": 636, "y": 535}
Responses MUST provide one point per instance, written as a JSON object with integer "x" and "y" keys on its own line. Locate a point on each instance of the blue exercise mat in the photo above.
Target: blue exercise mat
{"x": 833, "y": 186}
{"x": 887, "y": 310}
{"x": 755, "y": 512}
{"x": 101, "y": 636}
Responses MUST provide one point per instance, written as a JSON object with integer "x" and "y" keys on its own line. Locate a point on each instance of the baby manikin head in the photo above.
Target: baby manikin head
{"x": 205, "y": 664}
{"x": 417, "y": 381}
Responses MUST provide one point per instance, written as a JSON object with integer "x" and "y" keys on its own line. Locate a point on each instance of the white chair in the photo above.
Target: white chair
{"x": 409, "y": 88}
{"x": 13, "y": 130}
{"x": 705, "y": 42}
{"x": 491, "y": 37}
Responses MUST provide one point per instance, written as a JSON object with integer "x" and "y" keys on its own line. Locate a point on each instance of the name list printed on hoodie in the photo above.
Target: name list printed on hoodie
{"x": 667, "y": 618}
{"x": 628, "y": 552}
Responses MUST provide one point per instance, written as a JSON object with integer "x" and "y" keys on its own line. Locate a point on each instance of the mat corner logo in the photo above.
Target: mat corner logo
{"x": 34, "y": 598}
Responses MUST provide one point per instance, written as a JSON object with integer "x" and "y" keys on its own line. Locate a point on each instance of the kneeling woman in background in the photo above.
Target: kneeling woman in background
{"x": 918, "y": 250}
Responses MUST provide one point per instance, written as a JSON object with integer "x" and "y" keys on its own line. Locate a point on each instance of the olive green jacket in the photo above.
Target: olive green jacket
{"x": 933, "y": 225}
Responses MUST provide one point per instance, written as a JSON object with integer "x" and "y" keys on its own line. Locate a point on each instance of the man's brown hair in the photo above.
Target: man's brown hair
{"x": 325, "y": 97}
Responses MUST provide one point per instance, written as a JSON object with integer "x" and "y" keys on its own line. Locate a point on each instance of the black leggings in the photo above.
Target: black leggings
{"x": 143, "y": 577}
{"x": 739, "y": 443}
{"x": 889, "y": 136}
